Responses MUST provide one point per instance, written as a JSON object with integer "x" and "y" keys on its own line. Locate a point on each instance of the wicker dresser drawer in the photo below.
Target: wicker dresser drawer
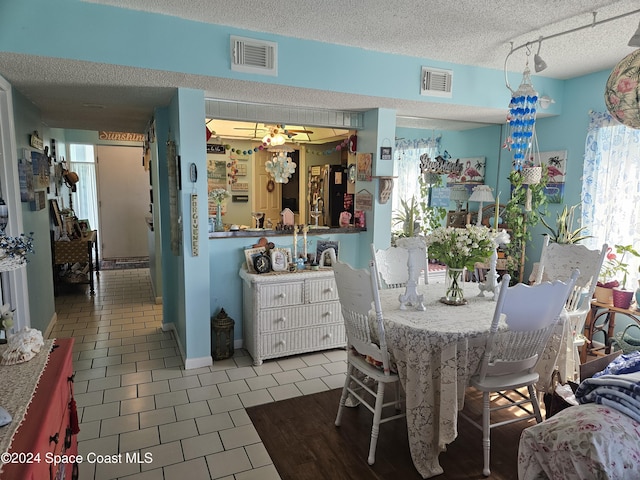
{"x": 281, "y": 295}
{"x": 291, "y": 342}
{"x": 320, "y": 290}
{"x": 299, "y": 317}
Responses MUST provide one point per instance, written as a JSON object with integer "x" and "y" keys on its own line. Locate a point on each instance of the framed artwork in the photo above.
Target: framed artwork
{"x": 322, "y": 245}
{"x": 556, "y": 163}
{"x": 77, "y": 231}
{"x": 249, "y": 254}
{"x": 39, "y": 200}
{"x": 472, "y": 172}
{"x": 363, "y": 162}
{"x": 55, "y": 211}
{"x": 84, "y": 225}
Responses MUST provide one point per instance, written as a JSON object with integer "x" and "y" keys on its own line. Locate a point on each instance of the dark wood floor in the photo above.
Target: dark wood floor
{"x": 303, "y": 442}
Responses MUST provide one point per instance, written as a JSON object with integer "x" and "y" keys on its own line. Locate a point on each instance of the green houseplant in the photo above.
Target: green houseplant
{"x": 564, "y": 231}
{"x": 526, "y": 206}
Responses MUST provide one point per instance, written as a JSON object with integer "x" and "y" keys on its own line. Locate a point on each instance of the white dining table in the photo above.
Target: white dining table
{"x": 436, "y": 352}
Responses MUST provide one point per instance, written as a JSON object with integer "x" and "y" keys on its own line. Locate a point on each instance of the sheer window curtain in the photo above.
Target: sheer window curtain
{"x": 408, "y": 168}
{"x": 85, "y": 199}
{"x": 611, "y": 186}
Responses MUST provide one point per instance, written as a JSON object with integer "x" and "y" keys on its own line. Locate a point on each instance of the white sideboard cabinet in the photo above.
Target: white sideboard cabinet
{"x": 290, "y": 313}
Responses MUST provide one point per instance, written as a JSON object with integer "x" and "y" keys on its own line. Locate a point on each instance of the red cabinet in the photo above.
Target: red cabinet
{"x": 45, "y": 435}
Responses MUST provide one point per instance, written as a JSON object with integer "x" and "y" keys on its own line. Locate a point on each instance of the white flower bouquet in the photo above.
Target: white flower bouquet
{"x": 460, "y": 247}
{"x": 218, "y": 195}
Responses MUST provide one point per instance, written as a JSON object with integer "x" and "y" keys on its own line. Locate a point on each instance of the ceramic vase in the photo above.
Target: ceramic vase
{"x": 219, "y": 227}
{"x": 622, "y": 298}
{"x": 604, "y": 295}
{"x": 454, "y": 285}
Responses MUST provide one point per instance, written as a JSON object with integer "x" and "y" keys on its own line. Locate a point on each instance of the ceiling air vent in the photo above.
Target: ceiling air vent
{"x": 436, "y": 82}
{"x": 254, "y": 56}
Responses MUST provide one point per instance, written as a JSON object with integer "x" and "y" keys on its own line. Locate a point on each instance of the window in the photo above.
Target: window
{"x": 611, "y": 186}
{"x": 85, "y": 199}
{"x": 408, "y": 168}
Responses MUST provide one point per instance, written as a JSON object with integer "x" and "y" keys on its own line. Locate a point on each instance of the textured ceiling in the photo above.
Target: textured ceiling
{"x": 100, "y": 96}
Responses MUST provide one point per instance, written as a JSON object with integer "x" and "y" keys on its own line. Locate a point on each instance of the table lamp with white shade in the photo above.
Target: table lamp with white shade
{"x": 458, "y": 194}
{"x": 481, "y": 193}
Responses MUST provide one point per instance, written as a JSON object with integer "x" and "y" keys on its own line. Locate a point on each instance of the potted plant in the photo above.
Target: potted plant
{"x": 408, "y": 218}
{"x": 564, "y": 231}
{"x": 525, "y": 208}
{"x": 609, "y": 289}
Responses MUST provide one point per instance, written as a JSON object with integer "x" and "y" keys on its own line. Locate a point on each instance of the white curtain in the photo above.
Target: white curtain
{"x": 85, "y": 199}
{"x": 408, "y": 168}
{"x": 611, "y": 186}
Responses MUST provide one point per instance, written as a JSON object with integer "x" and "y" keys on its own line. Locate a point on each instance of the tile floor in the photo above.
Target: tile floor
{"x": 134, "y": 395}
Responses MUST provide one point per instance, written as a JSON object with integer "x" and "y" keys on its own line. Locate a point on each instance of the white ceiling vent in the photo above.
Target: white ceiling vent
{"x": 249, "y": 55}
{"x": 436, "y": 83}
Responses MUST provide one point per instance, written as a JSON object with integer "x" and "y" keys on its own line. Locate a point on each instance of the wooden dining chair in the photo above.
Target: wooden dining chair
{"x": 367, "y": 357}
{"x": 523, "y": 320}
{"x": 557, "y": 261}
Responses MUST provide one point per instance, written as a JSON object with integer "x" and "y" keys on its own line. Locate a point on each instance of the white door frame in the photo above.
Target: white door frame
{"x": 15, "y": 287}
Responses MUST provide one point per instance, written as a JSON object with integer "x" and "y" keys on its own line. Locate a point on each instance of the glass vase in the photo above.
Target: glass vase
{"x": 454, "y": 285}
{"x": 219, "y": 227}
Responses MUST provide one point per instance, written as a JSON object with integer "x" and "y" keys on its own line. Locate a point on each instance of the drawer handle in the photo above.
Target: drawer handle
{"x": 54, "y": 438}
{"x": 327, "y": 314}
{"x": 282, "y": 319}
{"x": 328, "y": 335}
{"x": 329, "y": 290}
{"x": 281, "y": 343}
{"x": 282, "y": 295}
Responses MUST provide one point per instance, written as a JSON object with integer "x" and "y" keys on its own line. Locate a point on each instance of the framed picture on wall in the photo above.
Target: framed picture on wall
{"x": 55, "y": 212}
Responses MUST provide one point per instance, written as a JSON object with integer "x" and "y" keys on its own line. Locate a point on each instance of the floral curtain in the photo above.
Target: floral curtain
{"x": 611, "y": 184}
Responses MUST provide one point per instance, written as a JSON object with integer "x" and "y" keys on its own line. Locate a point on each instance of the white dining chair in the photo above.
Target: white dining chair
{"x": 368, "y": 363}
{"x": 557, "y": 261}
{"x": 391, "y": 265}
{"x": 524, "y": 319}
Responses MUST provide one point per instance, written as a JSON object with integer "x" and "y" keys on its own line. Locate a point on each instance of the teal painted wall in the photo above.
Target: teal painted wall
{"x": 39, "y": 275}
{"x": 161, "y": 43}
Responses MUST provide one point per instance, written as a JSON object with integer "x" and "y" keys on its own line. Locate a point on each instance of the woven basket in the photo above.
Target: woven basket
{"x": 531, "y": 175}
{"x": 627, "y": 342}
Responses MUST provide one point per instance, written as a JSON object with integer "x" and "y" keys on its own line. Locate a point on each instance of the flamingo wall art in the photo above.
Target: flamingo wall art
{"x": 556, "y": 163}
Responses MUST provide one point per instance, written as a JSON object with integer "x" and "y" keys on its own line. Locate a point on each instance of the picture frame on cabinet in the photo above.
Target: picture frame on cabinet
{"x": 250, "y": 254}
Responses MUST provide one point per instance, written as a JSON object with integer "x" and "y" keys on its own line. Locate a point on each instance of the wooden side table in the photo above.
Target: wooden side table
{"x": 607, "y": 326}
{"x": 80, "y": 250}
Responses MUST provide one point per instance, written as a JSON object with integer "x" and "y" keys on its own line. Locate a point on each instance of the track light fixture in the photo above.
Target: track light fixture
{"x": 538, "y": 63}
{"x": 635, "y": 39}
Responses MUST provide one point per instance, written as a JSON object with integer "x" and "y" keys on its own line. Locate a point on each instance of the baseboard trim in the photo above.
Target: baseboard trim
{"x": 198, "y": 362}
{"x": 189, "y": 363}
{"x": 52, "y": 323}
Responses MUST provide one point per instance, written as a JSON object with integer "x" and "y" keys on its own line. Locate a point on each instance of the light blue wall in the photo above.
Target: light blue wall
{"x": 105, "y": 34}
{"x": 39, "y": 276}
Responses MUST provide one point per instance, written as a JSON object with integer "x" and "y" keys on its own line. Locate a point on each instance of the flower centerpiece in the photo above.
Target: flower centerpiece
{"x": 218, "y": 195}
{"x": 459, "y": 248}
{"x": 14, "y": 250}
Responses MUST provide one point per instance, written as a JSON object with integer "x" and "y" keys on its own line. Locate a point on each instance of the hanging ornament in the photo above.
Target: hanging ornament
{"x": 280, "y": 167}
{"x": 522, "y": 119}
{"x": 622, "y": 92}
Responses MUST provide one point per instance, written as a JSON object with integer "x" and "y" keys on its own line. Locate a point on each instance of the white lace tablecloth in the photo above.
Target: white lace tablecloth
{"x": 436, "y": 352}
